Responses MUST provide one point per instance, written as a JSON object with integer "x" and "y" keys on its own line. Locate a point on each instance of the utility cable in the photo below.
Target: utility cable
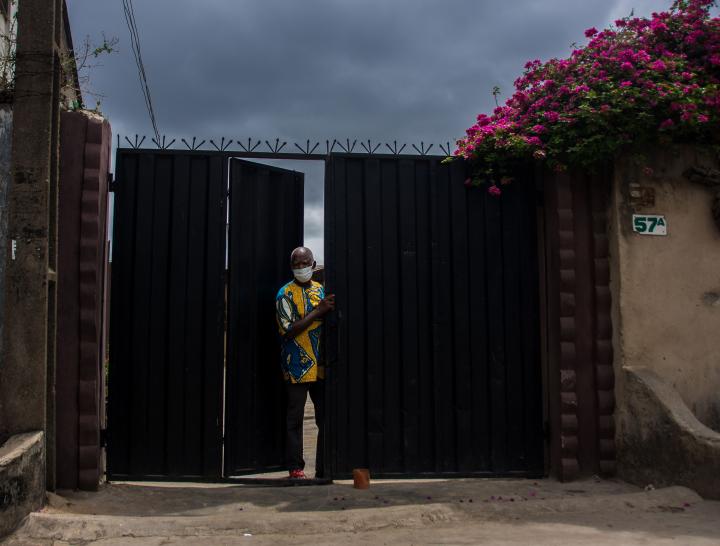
{"x": 129, "y": 11}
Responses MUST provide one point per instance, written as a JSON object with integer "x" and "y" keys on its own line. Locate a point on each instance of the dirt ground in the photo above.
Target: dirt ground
{"x": 409, "y": 512}
{"x": 503, "y": 512}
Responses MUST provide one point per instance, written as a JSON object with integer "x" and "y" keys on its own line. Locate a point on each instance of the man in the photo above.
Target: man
{"x": 300, "y": 307}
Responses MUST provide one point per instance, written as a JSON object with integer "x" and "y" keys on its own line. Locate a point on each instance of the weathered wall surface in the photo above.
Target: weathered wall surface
{"x": 663, "y": 443}
{"x": 667, "y": 289}
{"x": 5, "y": 166}
{"x": 22, "y": 478}
{"x": 84, "y": 162}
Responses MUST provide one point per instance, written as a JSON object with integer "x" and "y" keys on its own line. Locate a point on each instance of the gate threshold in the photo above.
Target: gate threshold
{"x": 160, "y": 481}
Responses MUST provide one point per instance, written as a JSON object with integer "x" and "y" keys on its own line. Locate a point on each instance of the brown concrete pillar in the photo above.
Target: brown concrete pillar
{"x": 27, "y": 361}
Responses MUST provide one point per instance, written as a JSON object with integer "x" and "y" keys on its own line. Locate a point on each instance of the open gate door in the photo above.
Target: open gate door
{"x": 433, "y": 360}
{"x": 266, "y": 224}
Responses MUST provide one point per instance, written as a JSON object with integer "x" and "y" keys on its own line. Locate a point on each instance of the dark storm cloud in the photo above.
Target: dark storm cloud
{"x": 409, "y": 70}
{"x": 325, "y": 68}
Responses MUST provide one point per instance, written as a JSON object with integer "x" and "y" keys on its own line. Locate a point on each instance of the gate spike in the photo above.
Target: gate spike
{"x": 223, "y": 146}
{"x": 348, "y": 149}
{"x": 277, "y": 147}
{"x": 394, "y": 149}
{"x": 137, "y": 142}
{"x": 422, "y": 150}
{"x": 193, "y": 146}
{"x": 250, "y": 147}
{"x": 369, "y": 148}
{"x": 307, "y": 150}
{"x": 446, "y": 150}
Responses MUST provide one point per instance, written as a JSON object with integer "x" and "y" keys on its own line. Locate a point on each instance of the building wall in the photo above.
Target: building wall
{"x": 8, "y": 30}
{"x": 667, "y": 289}
{"x": 5, "y": 164}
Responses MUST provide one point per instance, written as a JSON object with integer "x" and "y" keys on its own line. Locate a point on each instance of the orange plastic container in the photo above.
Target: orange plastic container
{"x": 361, "y": 478}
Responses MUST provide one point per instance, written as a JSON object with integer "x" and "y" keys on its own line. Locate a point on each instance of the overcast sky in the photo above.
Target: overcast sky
{"x": 406, "y": 70}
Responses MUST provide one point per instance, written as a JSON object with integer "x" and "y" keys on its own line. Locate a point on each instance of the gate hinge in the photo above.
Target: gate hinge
{"x": 103, "y": 437}
{"x": 112, "y": 185}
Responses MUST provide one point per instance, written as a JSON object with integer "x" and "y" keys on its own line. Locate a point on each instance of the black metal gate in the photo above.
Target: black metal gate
{"x": 266, "y": 224}
{"x": 168, "y": 323}
{"x": 433, "y": 353}
{"x": 167, "y": 312}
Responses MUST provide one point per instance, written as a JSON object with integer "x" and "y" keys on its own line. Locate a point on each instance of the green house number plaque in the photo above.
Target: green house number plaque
{"x": 649, "y": 224}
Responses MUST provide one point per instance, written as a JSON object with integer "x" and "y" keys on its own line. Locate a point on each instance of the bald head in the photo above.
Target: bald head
{"x": 301, "y": 257}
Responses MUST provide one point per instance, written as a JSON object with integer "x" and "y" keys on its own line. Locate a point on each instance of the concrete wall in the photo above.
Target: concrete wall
{"x": 22, "y": 478}
{"x": 666, "y": 289}
{"x": 5, "y": 165}
{"x": 662, "y": 442}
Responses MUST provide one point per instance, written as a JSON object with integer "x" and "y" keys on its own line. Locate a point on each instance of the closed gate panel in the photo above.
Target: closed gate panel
{"x": 433, "y": 352}
{"x": 266, "y": 224}
{"x": 166, "y": 346}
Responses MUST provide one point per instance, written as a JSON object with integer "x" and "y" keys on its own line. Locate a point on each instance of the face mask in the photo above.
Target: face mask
{"x": 304, "y": 274}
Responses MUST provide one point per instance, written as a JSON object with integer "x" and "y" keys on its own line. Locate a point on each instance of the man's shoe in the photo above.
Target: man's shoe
{"x": 297, "y": 474}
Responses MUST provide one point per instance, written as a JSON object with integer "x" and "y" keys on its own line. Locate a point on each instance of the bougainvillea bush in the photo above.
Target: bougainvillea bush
{"x": 642, "y": 81}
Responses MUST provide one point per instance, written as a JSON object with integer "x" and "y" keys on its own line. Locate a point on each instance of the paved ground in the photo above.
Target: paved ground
{"x": 503, "y": 512}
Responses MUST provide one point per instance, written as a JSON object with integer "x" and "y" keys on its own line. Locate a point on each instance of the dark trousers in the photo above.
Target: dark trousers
{"x": 296, "y": 397}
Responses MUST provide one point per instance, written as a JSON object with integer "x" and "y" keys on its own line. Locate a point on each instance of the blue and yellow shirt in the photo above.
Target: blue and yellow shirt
{"x": 300, "y": 357}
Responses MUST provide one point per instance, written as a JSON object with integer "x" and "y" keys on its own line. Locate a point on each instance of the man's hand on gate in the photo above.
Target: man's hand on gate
{"x": 326, "y": 305}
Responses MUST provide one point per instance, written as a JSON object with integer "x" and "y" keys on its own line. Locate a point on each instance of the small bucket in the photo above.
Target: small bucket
{"x": 361, "y": 478}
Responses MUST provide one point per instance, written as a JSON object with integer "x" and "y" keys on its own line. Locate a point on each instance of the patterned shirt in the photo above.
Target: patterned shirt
{"x": 300, "y": 356}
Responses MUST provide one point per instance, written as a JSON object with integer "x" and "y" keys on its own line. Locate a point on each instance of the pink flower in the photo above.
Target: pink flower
{"x": 664, "y": 62}
{"x": 648, "y": 171}
{"x": 494, "y": 191}
{"x": 551, "y": 116}
{"x": 658, "y": 65}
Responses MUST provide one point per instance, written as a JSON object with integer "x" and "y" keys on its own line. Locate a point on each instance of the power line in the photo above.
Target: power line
{"x": 129, "y": 10}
